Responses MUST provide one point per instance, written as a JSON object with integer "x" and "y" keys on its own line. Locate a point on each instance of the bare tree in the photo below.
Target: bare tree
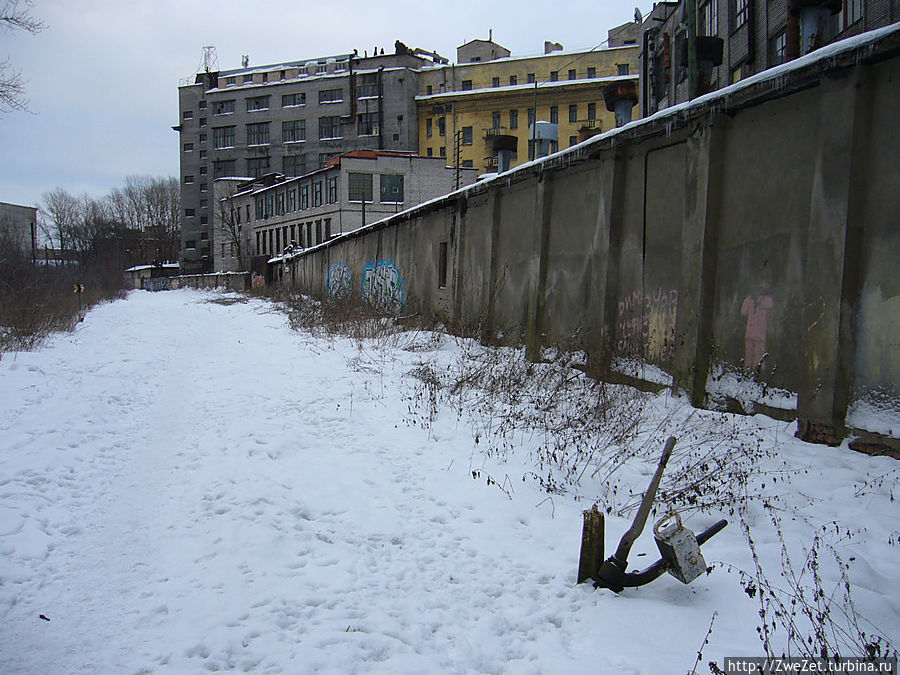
{"x": 15, "y": 15}
{"x": 229, "y": 221}
{"x": 61, "y": 215}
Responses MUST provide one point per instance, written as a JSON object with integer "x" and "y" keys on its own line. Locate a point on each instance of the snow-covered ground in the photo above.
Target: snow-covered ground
{"x": 189, "y": 486}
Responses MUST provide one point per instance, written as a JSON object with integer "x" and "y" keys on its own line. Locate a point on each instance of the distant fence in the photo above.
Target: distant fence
{"x": 235, "y": 281}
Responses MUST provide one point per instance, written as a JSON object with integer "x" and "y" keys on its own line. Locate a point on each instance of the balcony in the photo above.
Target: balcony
{"x": 490, "y": 162}
{"x": 589, "y": 124}
{"x": 489, "y": 132}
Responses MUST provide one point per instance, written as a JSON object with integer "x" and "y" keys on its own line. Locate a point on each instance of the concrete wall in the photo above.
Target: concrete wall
{"x": 744, "y": 247}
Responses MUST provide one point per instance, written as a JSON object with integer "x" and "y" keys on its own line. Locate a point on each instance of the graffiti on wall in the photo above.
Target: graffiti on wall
{"x": 382, "y": 285}
{"x": 156, "y": 284}
{"x": 756, "y": 309}
{"x": 645, "y": 324}
{"x": 338, "y": 281}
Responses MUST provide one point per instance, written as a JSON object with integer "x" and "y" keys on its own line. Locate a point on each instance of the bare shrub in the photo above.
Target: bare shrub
{"x": 802, "y": 614}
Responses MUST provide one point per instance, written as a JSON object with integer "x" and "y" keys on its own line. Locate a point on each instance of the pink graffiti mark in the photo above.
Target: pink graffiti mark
{"x": 756, "y": 309}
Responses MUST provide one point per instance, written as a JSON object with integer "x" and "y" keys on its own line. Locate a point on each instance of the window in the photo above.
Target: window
{"x": 513, "y": 80}
{"x": 592, "y": 111}
{"x": 321, "y": 68}
{"x": 530, "y": 117}
{"x": 257, "y": 103}
{"x": 223, "y": 137}
{"x": 329, "y": 127}
{"x": 190, "y": 243}
{"x": 443, "y": 151}
{"x": 223, "y": 107}
{"x": 258, "y": 133}
{"x": 572, "y": 73}
{"x": 247, "y": 79}
{"x": 257, "y": 166}
{"x": 573, "y": 112}
{"x": 741, "y": 11}
{"x": 554, "y": 75}
{"x": 188, "y": 114}
{"x": 429, "y": 127}
{"x": 367, "y": 124}
{"x": 331, "y": 95}
{"x": 622, "y": 68}
{"x": 442, "y": 126}
{"x": 359, "y": 187}
{"x": 391, "y": 189}
{"x": 317, "y": 193}
{"x": 513, "y": 119}
{"x": 327, "y": 229}
{"x": 288, "y": 100}
{"x": 188, "y": 147}
{"x": 203, "y": 185}
{"x": 188, "y": 180}
{"x": 554, "y": 114}
{"x": 203, "y": 138}
{"x": 270, "y": 205}
{"x": 495, "y": 120}
{"x": 495, "y": 81}
{"x": 340, "y": 67}
{"x": 279, "y": 204}
{"x": 573, "y": 140}
{"x": 223, "y": 167}
{"x": 850, "y": 14}
{"x": 293, "y": 131}
{"x": 468, "y": 164}
{"x": 230, "y": 81}
{"x": 202, "y": 170}
{"x": 265, "y": 77}
{"x": 708, "y": 18}
{"x": 429, "y": 90}
{"x": 318, "y": 231}
{"x": 777, "y": 46}
{"x": 304, "y": 197}
{"x": 467, "y": 135}
{"x": 203, "y": 154}
{"x": 591, "y": 71}
{"x": 331, "y": 195}
{"x": 466, "y": 85}
{"x": 204, "y": 203}
{"x": 204, "y": 220}
{"x": 291, "y": 204}
{"x": 189, "y": 213}
{"x": 442, "y": 264}
{"x": 529, "y": 78}
{"x": 202, "y": 121}
{"x": 293, "y": 165}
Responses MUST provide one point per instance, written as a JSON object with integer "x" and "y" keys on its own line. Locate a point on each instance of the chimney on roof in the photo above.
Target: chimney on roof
{"x": 552, "y": 47}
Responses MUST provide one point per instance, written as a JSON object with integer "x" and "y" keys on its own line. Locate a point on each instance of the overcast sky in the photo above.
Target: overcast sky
{"x": 102, "y": 78}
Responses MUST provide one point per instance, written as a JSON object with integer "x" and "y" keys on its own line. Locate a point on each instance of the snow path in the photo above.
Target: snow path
{"x": 190, "y": 487}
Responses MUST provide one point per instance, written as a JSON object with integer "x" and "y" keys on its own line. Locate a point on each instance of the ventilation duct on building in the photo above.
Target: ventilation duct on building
{"x": 620, "y": 98}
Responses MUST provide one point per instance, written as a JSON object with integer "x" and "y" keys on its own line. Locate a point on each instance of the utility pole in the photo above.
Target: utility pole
{"x": 692, "y": 48}
{"x": 532, "y": 151}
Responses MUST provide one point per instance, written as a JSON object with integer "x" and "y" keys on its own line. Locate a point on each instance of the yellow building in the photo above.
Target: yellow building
{"x": 464, "y": 106}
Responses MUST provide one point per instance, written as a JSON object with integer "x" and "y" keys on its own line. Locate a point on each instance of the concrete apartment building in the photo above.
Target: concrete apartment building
{"x": 289, "y": 118}
{"x": 691, "y": 47}
{"x": 18, "y": 228}
{"x": 269, "y": 214}
{"x": 463, "y": 108}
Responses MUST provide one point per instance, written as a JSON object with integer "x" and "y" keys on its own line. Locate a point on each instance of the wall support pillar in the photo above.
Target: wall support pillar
{"x": 704, "y": 157}
{"x": 534, "y": 335}
{"x": 490, "y": 287}
{"x": 831, "y": 275}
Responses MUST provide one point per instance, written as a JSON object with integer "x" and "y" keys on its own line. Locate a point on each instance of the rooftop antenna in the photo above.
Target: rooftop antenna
{"x": 245, "y": 60}
{"x": 210, "y": 60}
